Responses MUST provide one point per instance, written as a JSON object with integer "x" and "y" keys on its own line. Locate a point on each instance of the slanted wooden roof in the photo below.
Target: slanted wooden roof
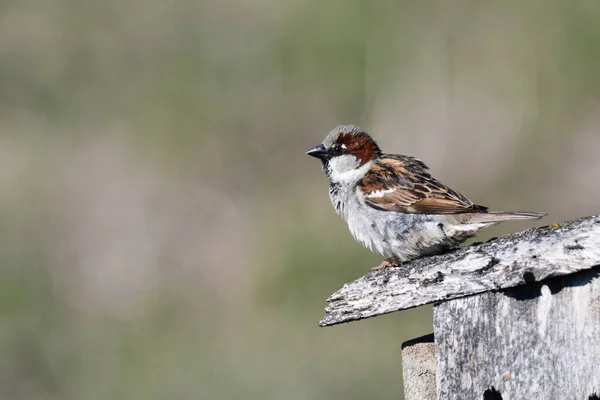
{"x": 509, "y": 261}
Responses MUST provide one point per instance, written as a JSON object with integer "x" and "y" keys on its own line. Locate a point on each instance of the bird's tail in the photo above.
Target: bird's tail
{"x": 501, "y": 216}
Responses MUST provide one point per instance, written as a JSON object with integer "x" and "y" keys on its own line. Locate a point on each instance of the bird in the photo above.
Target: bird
{"x": 393, "y": 205}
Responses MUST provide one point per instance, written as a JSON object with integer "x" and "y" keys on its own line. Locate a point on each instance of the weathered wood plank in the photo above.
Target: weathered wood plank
{"x": 509, "y": 261}
{"x": 540, "y": 341}
{"x": 418, "y": 368}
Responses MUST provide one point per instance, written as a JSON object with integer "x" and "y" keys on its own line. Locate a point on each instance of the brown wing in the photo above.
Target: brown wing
{"x": 402, "y": 184}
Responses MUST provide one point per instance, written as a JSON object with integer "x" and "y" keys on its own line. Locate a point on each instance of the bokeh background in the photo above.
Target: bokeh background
{"x": 163, "y": 235}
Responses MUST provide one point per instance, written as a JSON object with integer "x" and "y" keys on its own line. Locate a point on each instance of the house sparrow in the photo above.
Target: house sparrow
{"x": 393, "y": 205}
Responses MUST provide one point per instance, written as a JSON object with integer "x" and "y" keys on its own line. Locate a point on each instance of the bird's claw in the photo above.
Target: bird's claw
{"x": 388, "y": 263}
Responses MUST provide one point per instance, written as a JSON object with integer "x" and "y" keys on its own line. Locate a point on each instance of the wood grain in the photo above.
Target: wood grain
{"x": 540, "y": 341}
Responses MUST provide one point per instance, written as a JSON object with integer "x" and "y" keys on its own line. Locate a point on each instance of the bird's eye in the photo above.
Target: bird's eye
{"x": 343, "y": 146}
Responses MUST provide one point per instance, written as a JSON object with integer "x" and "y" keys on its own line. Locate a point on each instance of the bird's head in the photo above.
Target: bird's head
{"x": 345, "y": 152}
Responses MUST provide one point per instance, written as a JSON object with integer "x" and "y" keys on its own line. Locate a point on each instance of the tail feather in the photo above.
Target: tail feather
{"x": 500, "y": 216}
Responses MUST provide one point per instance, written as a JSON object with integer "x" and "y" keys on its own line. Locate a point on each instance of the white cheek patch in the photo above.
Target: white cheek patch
{"x": 343, "y": 163}
{"x": 346, "y": 169}
{"x": 380, "y": 193}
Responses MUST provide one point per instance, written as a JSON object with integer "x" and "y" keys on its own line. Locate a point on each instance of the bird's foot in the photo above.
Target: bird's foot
{"x": 387, "y": 263}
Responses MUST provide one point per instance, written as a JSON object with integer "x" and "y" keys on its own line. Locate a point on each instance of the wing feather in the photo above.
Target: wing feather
{"x": 402, "y": 184}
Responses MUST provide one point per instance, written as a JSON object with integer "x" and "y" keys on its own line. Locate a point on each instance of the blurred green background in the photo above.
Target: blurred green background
{"x": 163, "y": 235}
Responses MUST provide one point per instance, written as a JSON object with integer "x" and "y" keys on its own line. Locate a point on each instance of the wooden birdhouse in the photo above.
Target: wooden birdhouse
{"x": 516, "y": 318}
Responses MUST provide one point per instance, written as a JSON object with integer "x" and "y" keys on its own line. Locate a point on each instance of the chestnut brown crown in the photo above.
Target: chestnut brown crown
{"x": 347, "y": 139}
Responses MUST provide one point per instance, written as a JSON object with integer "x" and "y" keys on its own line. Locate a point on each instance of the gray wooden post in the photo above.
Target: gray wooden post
{"x": 515, "y": 318}
{"x": 540, "y": 341}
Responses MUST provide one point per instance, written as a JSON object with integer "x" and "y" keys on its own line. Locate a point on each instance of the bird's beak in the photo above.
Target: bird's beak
{"x": 318, "y": 152}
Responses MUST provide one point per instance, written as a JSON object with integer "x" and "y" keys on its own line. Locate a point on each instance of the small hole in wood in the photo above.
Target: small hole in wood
{"x": 594, "y": 396}
{"x": 492, "y": 394}
{"x": 528, "y": 277}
